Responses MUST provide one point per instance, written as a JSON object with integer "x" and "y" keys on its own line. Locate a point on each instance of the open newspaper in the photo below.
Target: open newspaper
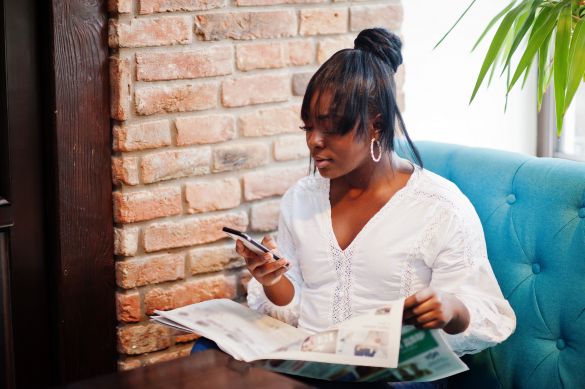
{"x": 371, "y": 347}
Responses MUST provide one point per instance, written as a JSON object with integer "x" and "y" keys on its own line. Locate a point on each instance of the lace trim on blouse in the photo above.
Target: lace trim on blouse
{"x": 341, "y": 304}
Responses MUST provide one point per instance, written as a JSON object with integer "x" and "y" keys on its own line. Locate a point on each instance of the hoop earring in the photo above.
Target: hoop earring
{"x": 372, "y": 150}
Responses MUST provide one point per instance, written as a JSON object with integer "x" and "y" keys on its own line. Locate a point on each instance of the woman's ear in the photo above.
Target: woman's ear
{"x": 376, "y": 126}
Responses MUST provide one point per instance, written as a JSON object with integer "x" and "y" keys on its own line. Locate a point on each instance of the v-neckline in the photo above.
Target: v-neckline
{"x": 395, "y": 197}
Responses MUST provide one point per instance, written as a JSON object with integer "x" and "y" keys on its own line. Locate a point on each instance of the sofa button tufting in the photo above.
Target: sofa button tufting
{"x": 561, "y": 344}
{"x": 511, "y": 199}
{"x": 582, "y": 212}
{"x": 536, "y": 268}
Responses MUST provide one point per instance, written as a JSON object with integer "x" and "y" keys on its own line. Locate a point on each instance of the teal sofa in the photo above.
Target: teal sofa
{"x": 533, "y": 215}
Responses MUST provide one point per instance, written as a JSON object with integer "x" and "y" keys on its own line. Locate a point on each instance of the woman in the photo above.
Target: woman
{"x": 370, "y": 227}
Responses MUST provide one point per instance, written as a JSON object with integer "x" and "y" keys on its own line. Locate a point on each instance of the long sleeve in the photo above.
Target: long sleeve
{"x": 257, "y": 299}
{"x": 461, "y": 267}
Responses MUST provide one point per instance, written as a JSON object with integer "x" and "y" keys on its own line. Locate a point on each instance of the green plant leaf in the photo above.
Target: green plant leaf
{"x": 576, "y": 61}
{"x": 543, "y": 72}
{"x": 561, "y": 57}
{"x": 496, "y": 45}
{"x": 535, "y": 41}
{"x": 525, "y": 22}
{"x": 492, "y": 22}
{"x": 457, "y": 22}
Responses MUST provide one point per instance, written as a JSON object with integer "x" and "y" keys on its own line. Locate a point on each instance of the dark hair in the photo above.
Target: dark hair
{"x": 361, "y": 83}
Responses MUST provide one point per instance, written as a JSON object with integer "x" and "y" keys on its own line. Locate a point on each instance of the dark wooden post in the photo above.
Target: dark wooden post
{"x": 81, "y": 206}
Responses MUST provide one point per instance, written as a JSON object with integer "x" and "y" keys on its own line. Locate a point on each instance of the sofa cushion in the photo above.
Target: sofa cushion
{"x": 533, "y": 214}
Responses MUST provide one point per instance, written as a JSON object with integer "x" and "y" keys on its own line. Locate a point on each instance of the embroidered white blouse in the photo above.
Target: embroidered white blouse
{"x": 428, "y": 233}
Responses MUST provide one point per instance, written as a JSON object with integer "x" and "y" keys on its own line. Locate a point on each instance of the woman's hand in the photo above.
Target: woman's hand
{"x": 263, "y": 268}
{"x": 429, "y": 309}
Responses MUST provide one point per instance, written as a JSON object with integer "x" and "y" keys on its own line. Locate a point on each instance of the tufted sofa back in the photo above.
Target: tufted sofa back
{"x": 533, "y": 215}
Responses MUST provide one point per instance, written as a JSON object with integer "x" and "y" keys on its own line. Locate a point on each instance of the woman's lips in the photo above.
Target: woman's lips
{"x": 322, "y": 163}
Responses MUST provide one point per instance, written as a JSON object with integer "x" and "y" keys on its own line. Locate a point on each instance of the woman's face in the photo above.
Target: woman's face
{"x": 334, "y": 155}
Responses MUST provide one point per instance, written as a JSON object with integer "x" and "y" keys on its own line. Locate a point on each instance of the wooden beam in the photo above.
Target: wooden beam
{"x": 81, "y": 201}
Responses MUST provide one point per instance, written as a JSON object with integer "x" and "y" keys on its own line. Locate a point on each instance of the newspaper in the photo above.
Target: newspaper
{"x": 371, "y": 347}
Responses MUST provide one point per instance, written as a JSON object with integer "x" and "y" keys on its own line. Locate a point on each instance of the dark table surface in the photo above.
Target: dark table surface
{"x": 209, "y": 369}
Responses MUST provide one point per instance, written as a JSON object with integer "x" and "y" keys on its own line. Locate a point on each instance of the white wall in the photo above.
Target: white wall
{"x": 439, "y": 83}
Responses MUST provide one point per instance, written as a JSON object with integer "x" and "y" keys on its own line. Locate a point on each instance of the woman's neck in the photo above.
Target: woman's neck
{"x": 372, "y": 175}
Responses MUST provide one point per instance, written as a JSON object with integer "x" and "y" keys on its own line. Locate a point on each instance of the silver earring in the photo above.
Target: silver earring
{"x": 374, "y": 140}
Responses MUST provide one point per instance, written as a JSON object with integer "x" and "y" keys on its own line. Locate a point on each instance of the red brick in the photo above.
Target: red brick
{"x": 150, "y": 270}
{"x": 275, "y": 2}
{"x": 256, "y": 89}
{"x": 246, "y": 25}
{"x": 120, "y": 86}
{"x": 175, "y": 352}
{"x": 186, "y": 337}
{"x": 166, "y": 165}
{"x": 266, "y": 183}
{"x": 300, "y": 82}
{"x": 319, "y": 21}
{"x": 129, "y": 363}
{"x": 208, "y": 62}
{"x": 240, "y": 156}
{"x": 290, "y": 147}
{"x": 163, "y": 31}
{"x": 143, "y": 338}
{"x": 328, "y": 47}
{"x": 207, "y": 196}
{"x": 271, "y": 55}
{"x": 128, "y": 307}
{"x": 130, "y": 207}
{"x": 193, "y": 130}
{"x": 165, "y": 99}
{"x": 125, "y": 171}
{"x": 120, "y": 6}
{"x": 189, "y": 292}
{"x": 191, "y": 231}
{"x": 267, "y": 55}
{"x": 264, "y": 216}
{"x": 301, "y": 52}
{"x": 150, "y": 6}
{"x": 270, "y": 121}
{"x": 142, "y": 136}
{"x": 126, "y": 241}
{"x": 367, "y": 16}
{"x": 213, "y": 259}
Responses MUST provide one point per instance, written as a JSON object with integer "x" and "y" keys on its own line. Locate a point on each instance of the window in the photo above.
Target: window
{"x": 571, "y": 143}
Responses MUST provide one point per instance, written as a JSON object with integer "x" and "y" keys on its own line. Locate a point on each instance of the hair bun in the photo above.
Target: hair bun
{"x": 382, "y": 43}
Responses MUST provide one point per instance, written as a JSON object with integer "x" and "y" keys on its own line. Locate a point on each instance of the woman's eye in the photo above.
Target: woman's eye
{"x": 306, "y": 128}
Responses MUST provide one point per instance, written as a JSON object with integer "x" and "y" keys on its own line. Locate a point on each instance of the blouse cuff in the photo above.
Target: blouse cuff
{"x": 258, "y": 301}
{"x": 483, "y": 331}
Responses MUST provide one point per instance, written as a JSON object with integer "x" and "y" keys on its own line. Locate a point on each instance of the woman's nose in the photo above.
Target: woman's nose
{"x": 315, "y": 139}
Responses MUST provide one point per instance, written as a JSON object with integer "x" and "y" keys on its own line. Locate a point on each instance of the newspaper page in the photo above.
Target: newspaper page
{"x": 370, "y": 347}
{"x": 238, "y": 330}
{"x": 371, "y": 339}
{"x": 424, "y": 356}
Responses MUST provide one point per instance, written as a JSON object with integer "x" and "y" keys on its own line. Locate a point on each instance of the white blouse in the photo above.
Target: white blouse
{"x": 428, "y": 233}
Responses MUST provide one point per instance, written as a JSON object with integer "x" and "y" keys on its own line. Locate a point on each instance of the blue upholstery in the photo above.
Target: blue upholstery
{"x": 533, "y": 214}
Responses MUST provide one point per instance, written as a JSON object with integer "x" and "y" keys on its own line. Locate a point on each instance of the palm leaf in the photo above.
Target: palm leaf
{"x": 496, "y": 44}
{"x": 526, "y": 22}
{"x": 457, "y": 22}
{"x": 492, "y": 22}
{"x": 542, "y": 69}
{"x": 561, "y": 55}
{"x": 535, "y": 41}
{"x": 577, "y": 62}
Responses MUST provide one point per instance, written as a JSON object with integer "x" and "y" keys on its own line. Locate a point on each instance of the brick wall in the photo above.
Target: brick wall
{"x": 205, "y": 100}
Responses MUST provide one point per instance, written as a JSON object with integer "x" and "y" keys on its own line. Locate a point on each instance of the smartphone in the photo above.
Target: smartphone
{"x": 250, "y": 243}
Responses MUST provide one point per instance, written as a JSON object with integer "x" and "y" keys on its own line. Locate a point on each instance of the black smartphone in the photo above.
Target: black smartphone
{"x": 250, "y": 243}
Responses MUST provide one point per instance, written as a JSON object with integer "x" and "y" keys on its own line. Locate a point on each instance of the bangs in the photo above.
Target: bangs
{"x": 347, "y": 93}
